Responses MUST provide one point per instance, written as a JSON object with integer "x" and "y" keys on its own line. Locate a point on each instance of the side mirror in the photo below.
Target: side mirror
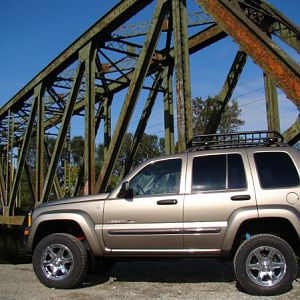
{"x": 126, "y": 191}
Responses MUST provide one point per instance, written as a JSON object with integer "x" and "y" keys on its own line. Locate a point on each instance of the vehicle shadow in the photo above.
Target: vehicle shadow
{"x": 168, "y": 271}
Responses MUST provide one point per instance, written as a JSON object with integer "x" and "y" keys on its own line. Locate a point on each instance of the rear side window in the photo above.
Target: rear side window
{"x": 218, "y": 172}
{"x": 236, "y": 172}
{"x": 276, "y": 170}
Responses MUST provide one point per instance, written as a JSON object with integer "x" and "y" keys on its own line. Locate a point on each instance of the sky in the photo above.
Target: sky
{"x": 34, "y": 32}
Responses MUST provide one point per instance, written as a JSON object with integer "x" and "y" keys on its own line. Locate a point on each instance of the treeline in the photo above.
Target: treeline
{"x": 150, "y": 146}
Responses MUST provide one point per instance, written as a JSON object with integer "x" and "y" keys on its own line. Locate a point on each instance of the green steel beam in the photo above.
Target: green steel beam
{"x": 282, "y": 69}
{"x": 100, "y": 111}
{"x": 227, "y": 91}
{"x": 186, "y": 71}
{"x": 168, "y": 93}
{"x": 67, "y": 165}
{"x": 55, "y": 97}
{"x": 30, "y": 185}
{"x": 40, "y": 136}
{"x": 198, "y": 41}
{"x": 272, "y": 108}
{"x": 12, "y": 220}
{"x": 8, "y": 156}
{"x": 22, "y": 157}
{"x": 2, "y": 187}
{"x": 78, "y": 182}
{"x": 183, "y": 84}
{"x": 272, "y": 21}
{"x": 205, "y": 38}
{"x": 169, "y": 110}
{"x": 284, "y": 28}
{"x": 287, "y": 35}
{"x": 11, "y": 150}
{"x": 142, "y": 66}
{"x": 138, "y": 135}
{"x": 89, "y": 56}
{"x": 107, "y": 123}
{"x": 292, "y": 134}
{"x": 272, "y": 104}
{"x": 105, "y": 109}
{"x": 57, "y": 188}
{"x": 79, "y": 179}
{"x": 63, "y": 131}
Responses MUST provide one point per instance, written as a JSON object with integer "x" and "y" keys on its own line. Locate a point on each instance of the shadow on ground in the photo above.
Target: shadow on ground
{"x": 166, "y": 271}
{"x": 10, "y": 248}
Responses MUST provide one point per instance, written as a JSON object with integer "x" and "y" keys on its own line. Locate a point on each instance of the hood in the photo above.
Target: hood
{"x": 76, "y": 199}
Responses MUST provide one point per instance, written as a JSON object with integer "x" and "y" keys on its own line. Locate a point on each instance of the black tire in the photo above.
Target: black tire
{"x": 65, "y": 261}
{"x": 272, "y": 265}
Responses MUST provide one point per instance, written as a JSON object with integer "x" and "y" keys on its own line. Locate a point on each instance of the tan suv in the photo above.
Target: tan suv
{"x": 232, "y": 196}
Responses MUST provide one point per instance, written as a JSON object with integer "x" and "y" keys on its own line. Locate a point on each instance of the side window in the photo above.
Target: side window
{"x": 236, "y": 172}
{"x": 218, "y": 172}
{"x": 276, "y": 170}
{"x": 162, "y": 177}
{"x": 209, "y": 173}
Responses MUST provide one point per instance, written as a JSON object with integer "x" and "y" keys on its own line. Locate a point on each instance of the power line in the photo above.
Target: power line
{"x": 249, "y": 93}
{"x": 258, "y": 100}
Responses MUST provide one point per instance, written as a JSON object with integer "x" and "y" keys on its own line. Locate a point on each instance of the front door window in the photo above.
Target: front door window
{"x": 162, "y": 177}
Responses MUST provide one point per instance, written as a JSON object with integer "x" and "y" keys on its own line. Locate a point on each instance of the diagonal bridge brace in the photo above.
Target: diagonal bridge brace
{"x": 275, "y": 63}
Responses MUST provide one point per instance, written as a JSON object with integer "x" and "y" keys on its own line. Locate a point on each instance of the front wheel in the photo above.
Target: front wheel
{"x": 265, "y": 265}
{"x": 60, "y": 261}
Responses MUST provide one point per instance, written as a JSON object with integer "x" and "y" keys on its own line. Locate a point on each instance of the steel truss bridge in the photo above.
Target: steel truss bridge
{"x": 114, "y": 64}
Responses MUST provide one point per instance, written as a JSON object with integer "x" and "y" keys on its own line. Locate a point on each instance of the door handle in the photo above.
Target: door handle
{"x": 167, "y": 202}
{"x": 240, "y": 197}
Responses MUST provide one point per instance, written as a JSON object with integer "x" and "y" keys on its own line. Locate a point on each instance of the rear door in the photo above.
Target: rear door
{"x": 218, "y": 185}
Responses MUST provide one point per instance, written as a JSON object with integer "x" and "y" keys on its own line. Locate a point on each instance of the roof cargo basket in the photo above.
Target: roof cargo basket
{"x": 234, "y": 140}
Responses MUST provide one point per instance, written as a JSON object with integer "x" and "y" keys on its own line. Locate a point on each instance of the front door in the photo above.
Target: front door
{"x": 151, "y": 220}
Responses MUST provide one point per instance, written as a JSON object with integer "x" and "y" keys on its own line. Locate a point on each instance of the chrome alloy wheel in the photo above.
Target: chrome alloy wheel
{"x": 266, "y": 266}
{"x": 57, "y": 262}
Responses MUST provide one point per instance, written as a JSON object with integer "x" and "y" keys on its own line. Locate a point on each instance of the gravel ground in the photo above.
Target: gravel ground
{"x": 148, "y": 279}
{"x": 183, "y": 279}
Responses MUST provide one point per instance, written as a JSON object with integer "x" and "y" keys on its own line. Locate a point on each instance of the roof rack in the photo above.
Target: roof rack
{"x": 234, "y": 140}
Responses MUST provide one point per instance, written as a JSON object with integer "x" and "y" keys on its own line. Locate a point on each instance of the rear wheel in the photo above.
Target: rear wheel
{"x": 60, "y": 261}
{"x": 265, "y": 265}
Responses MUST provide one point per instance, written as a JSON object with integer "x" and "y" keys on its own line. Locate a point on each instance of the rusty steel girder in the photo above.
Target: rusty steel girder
{"x": 284, "y": 71}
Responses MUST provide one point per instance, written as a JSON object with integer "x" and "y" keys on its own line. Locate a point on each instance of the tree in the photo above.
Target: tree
{"x": 148, "y": 148}
{"x": 202, "y": 111}
{"x": 77, "y": 149}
